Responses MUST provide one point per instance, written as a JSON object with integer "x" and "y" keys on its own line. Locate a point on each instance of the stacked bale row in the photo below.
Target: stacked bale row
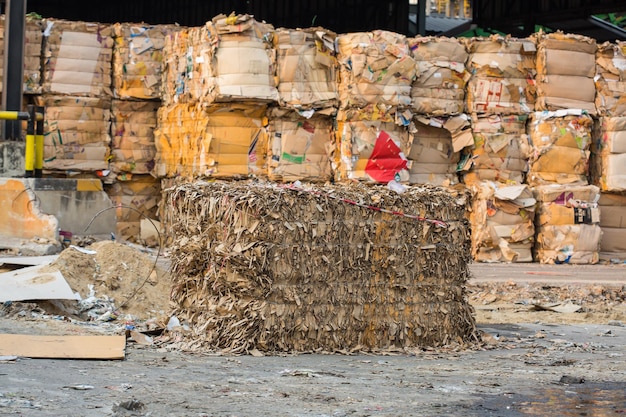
{"x": 33, "y": 38}
{"x": 275, "y": 268}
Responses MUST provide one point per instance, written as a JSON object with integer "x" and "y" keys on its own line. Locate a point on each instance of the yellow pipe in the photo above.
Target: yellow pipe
{"x": 29, "y": 155}
{"x": 14, "y": 115}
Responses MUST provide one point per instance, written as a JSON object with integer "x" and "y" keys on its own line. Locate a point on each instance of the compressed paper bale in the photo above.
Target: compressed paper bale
{"x": 561, "y": 143}
{"x": 502, "y": 220}
{"x": 300, "y": 148}
{"x": 76, "y": 133}
{"x": 611, "y": 79}
{"x": 375, "y": 68}
{"x": 222, "y": 141}
{"x": 608, "y": 160}
{"x": 566, "y": 66}
{"x": 372, "y": 151}
{"x": 33, "y": 37}
{"x": 441, "y": 75}
{"x": 307, "y": 68}
{"x": 613, "y": 224}
{"x": 133, "y": 123}
{"x": 262, "y": 266}
{"x": 491, "y": 95}
{"x": 501, "y": 149}
{"x": 138, "y": 59}
{"x": 77, "y": 58}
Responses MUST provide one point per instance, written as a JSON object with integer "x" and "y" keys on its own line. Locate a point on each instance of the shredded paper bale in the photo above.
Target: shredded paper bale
{"x": 502, "y": 219}
{"x": 613, "y": 224}
{"x": 566, "y": 66}
{"x": 77, "y": 58}
{"x": 567, "y": 224}
{"x": 611, "y": 79}
{"x": 441, "y": 75}
{"x": 33, "y": 36}
{"x": 608, "y": 167}
{"x": 560, "y": 147}
{"x": 278, "y": 268}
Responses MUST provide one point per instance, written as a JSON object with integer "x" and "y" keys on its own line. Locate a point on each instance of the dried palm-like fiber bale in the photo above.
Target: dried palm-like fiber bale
{"x": 613, "y": 224}
{"x": 77, "y": 133}
{"x": 135, "y": 197}
{"x": 300, "y": 148}
{"x": 567, "y": 224}
{"x": 33, "y": 37}
{"x": 221, "y": 141}
{"x": 436, "y": 149}
{"x": 560, "y": 147}
{"x": 277, "y": 268}
{"x": 502, "y": 220}
{"x": 501, "y": 149}
{"x": 307, "y": 68}
{"x": 375, "y": 67}
{"x": 608, "y": 161}
{"x": 503, "y": 75}
{"x": 138, "y": 59}
{"x": 133, "y": 124}
{"x": 372, "y": 151}
{"x": 611, "y": 79}
{"x": 77, "y": 58}
{"x": 566, "y": 66}
{"x": 441, "y": 75}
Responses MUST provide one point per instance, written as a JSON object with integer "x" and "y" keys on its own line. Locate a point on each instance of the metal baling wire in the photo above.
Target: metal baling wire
{"x": 130, "y": 297}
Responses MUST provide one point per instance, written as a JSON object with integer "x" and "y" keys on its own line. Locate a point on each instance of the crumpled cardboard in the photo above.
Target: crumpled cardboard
{"x": 502, "y": 220}
{"x": 132, "y": 129}
{"x": 76, "y": 133}
{"x": 611, "y": 79}
{"x": 608, "y": 168}
{"x": 138, "y": 59}
{"x": 375, "y": 67}
{"x": 561, "y": 141}
{"x": 300, "y": 148}
{"x": 613, "y": 224}
{"x": 307, "y": 68}
{"x": 33, "y": 38}
{"x": 566, "y": 66}
{"x": 221, "y": 141}
{"x": 500, "y": 151}
{"x": 77, "y": 58}
{"x": 441, "y": 75}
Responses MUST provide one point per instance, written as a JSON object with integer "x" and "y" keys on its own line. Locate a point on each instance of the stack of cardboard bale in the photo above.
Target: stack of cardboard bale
{"x": 375, "y": 77}
{"x": 608, "y": 167}
{"x": 77, "y": 96}
{"x": 137, "y": 63}
{"x": 228, "y": 60}
{"x": 301, "y": 140}
{"x": 500, "y": 95}
{"x": 568, "y": 229}
{"x": 440, "y": 129}
{"x": 33, "y": 37}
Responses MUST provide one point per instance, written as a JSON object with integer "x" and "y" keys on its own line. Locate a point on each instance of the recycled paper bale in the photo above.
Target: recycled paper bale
{"x": 501, "y": 149}
{"x": 502, "y": 219}
{"x": 608, "y": 168}
{"x": 566, "y": 67}
{"x": 320, "y": 268}
{"x": 132, "y": 128}
{"x": 375, "y": 68}
{"x": 138, "y": 60}
{"x": 33, "y": 37}
{"x": 194, "y": 141}
{"x": 439, "y": 86}
{"x": 77, "y": 133}
{"x": 560, "y": 147}
{"x": 611, "y": 79}
{"x": 436, "y": 147}
{"x": 307, "y": 68}
{"x": 613, "y": 224}
{"x": 372, "y": 151}
{"x": 300, "y": 148}
{"x": 136, "y": 197}
{"x": 503, "y": 75}
{"x": 77, "y": 58}
{"x": 567, "y": 224}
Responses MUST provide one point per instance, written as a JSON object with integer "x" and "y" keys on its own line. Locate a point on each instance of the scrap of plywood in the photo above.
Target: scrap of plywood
{"x": 34, "y": 283}
{"x": 63, "y": 347}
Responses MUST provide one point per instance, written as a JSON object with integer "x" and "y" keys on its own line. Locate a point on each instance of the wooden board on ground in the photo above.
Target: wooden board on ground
{"x": 63, "y": 347}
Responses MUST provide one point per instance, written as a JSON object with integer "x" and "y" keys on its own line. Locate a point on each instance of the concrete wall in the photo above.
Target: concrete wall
{"x": 11, "y": 159}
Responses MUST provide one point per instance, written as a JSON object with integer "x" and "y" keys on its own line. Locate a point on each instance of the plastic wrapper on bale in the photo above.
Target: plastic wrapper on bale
{"x": 336, "y": 268}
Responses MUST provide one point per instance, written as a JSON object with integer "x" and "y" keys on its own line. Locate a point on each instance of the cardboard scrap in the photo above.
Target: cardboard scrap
{"x": 34, "y": 283}
{"x": 557, "y": 307}
{"x": 63, "y": 347}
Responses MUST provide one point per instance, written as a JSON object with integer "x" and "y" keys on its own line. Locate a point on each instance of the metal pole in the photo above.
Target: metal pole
{"x": 39, "y": 142}
{"x": 14, "y": 33}
{"x": 421, "y": 17}
{"x": 29, "y": 152}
